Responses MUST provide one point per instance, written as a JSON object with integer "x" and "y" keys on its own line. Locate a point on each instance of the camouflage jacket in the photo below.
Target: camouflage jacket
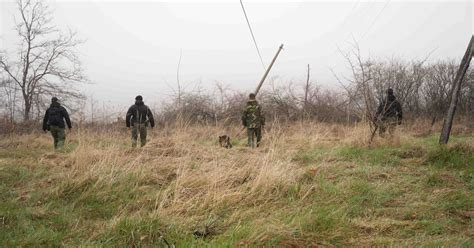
{"x": 252, "y": 116}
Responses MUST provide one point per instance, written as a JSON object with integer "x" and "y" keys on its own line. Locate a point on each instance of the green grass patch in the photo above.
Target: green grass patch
{"x": 414, "y": 194}
{"x": 325, "y": 221}
{"x": 458, "y": 156}
{"x": 134, "y": 232}
{"x": 430, "y": 227}
{"x": 385, "y": 156}
{"x": 435, "y": 179}
{"x": 455, "y": 201}
{"x": 306, "y": 157}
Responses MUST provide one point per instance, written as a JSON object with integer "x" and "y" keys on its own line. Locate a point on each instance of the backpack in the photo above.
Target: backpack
{"x": 55, "y": 117}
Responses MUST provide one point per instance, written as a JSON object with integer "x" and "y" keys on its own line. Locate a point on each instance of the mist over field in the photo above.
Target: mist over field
{"x": 236, "y": 124}
{"x": 133, "y": 48}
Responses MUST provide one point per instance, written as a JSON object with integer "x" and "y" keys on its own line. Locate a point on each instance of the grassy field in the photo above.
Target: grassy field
{"x": 308, "y": 185}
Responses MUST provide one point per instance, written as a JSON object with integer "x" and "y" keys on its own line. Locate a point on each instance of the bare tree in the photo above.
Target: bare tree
{"x": 47, "y": 63}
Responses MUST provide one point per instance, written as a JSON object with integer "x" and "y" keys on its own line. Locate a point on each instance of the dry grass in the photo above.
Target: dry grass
{"x": 308, "y": 185}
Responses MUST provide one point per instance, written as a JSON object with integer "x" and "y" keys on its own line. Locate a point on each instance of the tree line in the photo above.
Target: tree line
{"x": 422, "y": 88}
{"x": 46, "y": 64}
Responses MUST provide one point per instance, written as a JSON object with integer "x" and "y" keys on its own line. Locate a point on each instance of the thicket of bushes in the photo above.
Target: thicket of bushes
{"x": 423, "y": 88}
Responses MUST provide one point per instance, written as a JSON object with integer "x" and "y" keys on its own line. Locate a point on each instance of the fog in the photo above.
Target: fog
{"x": 133, "y": 48}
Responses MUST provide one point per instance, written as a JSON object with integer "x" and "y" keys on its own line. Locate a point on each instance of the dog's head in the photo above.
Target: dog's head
{"x": 224, "y": 141}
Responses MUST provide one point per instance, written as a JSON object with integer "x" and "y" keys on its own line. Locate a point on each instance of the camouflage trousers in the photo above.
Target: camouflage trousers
{"x": 59, "y": 136}
{"x": 136, "y": 130}
{"x": 253, "y": 133}
{"x": 389, "y": 123}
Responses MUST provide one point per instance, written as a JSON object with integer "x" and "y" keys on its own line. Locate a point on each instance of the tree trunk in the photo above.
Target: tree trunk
{"x": 448, "y": 121}
{"x": 27, "y": 103}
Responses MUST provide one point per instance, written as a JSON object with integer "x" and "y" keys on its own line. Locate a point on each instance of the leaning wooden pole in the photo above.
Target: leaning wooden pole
{"x": 455, "y": 91}
{"x": 268, "y": 70}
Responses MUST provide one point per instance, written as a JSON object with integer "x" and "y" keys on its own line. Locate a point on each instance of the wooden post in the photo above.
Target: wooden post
{"x": 306, "y": 92}
{"x": 268, "y": 70}
{"x": 455, "y": 91}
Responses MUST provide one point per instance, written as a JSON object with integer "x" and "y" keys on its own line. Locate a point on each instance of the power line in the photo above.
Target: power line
{"x": 251, "y": 32}
{"x": 375, "y": 19}
{"x": 355, "y": 5}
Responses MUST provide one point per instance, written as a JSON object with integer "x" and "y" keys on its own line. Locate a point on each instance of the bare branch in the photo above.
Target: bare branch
{"x": 46, "y": 56}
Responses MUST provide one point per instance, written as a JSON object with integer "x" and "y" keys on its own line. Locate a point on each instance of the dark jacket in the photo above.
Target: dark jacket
{"x": 390, "y": 107}
{"x": 139, "y": 113}
{"x": 252, "y": 116}
{"x": 55, "y": 116}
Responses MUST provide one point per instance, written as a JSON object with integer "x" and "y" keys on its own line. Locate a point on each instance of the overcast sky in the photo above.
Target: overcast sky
{"x": 133, "y": 47}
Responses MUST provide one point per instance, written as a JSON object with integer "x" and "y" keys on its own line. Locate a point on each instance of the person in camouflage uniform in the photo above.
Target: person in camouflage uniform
{"x": 253, "y": 120}
{"x": 138, "y": 116}
{"x": 54, "y": 122}
{"x": 389, "y": 114}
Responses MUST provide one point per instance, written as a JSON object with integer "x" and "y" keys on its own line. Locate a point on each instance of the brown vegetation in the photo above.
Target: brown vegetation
{"x": 309, "y": 184}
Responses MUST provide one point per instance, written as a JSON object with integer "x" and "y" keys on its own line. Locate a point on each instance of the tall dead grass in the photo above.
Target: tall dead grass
{"x": 183, "y": 173}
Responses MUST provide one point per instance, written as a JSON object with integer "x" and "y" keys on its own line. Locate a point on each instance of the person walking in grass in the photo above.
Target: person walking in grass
{"x": 254, "y": 121}
{"x": 389, "y": 114}
{"x": 138, "y": 116}
{"x": 54, "y": 122}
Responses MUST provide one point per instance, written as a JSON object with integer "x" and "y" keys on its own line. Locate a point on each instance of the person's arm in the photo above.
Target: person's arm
{"x": 66, "y": 117}
{"x": 128, "y": 116}
{"x": 262, "y": 117}
{"x": 45, "y": 120}
{"x": 150, "y": 117}
{"x": 244, "y": 117}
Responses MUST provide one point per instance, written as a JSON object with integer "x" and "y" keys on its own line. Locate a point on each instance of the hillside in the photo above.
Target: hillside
{"x": 308, "y": 185}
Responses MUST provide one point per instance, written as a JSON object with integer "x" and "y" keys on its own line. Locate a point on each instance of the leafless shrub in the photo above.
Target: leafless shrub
{"x": 422, "y": 89}
{"x": 9, "y": 99}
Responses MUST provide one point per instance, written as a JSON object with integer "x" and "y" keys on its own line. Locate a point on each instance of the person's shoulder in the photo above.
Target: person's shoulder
{"x": 142, "y": 107}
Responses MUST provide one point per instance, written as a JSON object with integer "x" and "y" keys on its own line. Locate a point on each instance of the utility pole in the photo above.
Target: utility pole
{"x": 268, "y": 70}
{"x": 306, "y": 92}
{"x": 455, "y": 91}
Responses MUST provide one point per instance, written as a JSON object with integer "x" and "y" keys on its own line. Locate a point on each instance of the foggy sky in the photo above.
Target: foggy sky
{"x": 133, "y": 47}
